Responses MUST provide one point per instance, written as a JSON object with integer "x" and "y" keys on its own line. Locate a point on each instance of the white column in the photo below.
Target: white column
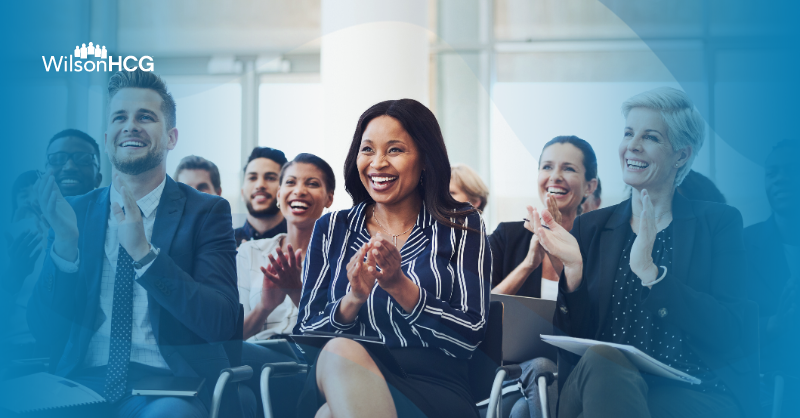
{"x": 371, "y": 51}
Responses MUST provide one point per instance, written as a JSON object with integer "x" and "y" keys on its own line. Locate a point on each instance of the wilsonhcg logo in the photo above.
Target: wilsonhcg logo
{"x": 96, "y": 59}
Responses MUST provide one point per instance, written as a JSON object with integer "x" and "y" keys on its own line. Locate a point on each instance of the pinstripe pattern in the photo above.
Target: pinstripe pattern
{"x": 452, "y": 269}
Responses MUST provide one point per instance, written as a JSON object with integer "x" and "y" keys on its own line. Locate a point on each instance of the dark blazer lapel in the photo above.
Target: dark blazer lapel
{"x": 612, "y": 241}
{"x": 168, "y": 216}
{"x": 683, "y": 221}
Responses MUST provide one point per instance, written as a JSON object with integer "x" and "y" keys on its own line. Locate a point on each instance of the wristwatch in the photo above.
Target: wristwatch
{"x": 146, "y": 259}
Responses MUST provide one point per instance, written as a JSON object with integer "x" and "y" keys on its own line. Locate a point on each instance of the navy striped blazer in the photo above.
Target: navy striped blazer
{"x": 451, "y": 267}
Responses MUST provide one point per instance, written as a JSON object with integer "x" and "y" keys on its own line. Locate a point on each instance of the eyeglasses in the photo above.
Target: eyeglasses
{"x": 78, "y": 158}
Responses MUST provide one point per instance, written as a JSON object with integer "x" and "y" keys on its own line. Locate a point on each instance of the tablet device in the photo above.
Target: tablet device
{"x": 524, "y": 320}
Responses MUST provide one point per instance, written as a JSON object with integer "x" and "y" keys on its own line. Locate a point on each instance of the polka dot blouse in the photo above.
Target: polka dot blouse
{"x": 628, "y": 323}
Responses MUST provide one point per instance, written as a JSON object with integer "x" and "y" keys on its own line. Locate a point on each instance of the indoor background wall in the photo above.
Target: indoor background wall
{"x": 502, "y": 76}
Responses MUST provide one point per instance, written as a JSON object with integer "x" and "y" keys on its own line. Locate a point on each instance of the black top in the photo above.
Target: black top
{"x": 510, "y": 242}
{"x": 702, "y": 295}
{"x": 628, "y": 323}
{"x": 248, "y": 233}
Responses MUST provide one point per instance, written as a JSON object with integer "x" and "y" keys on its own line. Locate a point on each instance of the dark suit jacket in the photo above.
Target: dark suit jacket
{"x": 768, "y": 270}
{"x": 510, "y": 242}
{"x": 191, "y": 286}
{"x": 703, "y": 294}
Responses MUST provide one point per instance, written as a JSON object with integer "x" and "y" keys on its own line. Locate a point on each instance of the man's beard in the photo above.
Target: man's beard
{"x": 136, "y": 166}
{"x": 269, "y": 212}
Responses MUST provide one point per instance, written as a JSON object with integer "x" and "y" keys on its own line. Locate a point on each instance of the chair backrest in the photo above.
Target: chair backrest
{"x": 489, "y": 355}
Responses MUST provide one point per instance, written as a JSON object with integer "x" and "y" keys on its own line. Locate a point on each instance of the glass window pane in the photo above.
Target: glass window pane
{"x": 290, "y": 117}
{"x": 209, "y": 122}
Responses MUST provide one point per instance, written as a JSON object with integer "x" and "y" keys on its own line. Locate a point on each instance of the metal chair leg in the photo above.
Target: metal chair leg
{"x": 542, "y": 384}
{"x": 226, "y": 376}
{"x": 495, "y": 409}
{"x": 276, "y": 370}
{"x": 265, "y": 399}
{"x": 543, "y": 381}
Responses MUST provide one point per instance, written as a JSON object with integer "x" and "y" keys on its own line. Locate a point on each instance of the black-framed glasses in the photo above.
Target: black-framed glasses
{"x": 78, "y": 158}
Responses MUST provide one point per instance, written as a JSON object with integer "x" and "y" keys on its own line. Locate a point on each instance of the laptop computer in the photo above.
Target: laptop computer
{"x": 524, "y": 320}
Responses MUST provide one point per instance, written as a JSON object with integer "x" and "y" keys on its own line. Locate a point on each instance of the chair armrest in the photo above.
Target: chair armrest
{"x": 543, "y": 380}
{"x": 284, "y": 369}
{"x": 548, "y": 376}
{"x": 269, "y": 370}
{"x": 513, "y": 371}
{"x": 237, "y": 374}
{"x": 229, "y": 375}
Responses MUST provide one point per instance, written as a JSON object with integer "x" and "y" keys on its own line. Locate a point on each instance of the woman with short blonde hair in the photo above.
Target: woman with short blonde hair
{"x": 466, "y": 186}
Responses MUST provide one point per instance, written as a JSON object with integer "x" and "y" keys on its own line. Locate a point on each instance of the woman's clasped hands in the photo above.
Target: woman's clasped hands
{"x": 535, "y": 251}
{"x": 378, "y": 261}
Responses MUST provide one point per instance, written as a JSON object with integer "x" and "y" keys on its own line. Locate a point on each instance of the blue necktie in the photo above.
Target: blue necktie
{"x": 119, "y": 354}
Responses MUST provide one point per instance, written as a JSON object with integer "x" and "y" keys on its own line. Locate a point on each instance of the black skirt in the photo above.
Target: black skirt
{"x": 435, "y": 386}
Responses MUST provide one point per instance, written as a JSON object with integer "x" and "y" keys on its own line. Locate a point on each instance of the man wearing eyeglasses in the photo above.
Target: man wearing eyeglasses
{"x": 73, "y": 158}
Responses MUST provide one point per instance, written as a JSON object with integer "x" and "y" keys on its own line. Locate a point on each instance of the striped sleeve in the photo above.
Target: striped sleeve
{"x": 316, "y": 310}
{"x": 457, "y": 325}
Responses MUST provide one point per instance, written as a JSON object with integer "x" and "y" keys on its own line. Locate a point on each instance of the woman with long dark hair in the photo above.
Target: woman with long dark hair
{"x": 567, "y": 176}
{"x": 408, "y": 264}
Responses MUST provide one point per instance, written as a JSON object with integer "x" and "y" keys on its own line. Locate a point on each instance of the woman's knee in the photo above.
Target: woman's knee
{"x": 340, "y": 355}
{"x": 604, "y": 357}
{"x": 347, "y": 349}
{"x": 531, "y": 368}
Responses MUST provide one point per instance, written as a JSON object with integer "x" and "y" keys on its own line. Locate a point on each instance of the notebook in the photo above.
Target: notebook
{"x": 42, "y": 392}
{"x": 641, "y": 360}
{"x": 168, "y": 386}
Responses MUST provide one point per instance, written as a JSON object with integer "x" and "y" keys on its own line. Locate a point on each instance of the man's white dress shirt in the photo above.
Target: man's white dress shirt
{"x": 144, "y": 348}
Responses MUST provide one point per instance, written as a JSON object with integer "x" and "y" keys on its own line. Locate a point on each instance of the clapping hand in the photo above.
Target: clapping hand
{"x": 535, "y": 251}
{"x": 642, "y": 250}
{"x": 559, "y": 243}
{"x": 361, "y": 274}
{"x": 286, "y": 272}
{"x": 552, "y": 207}
{"x": 59, "y": 215}
{"x": 130, "y": 227}
{"x": 272, "y": 294}
{"x": 386, "y": 254}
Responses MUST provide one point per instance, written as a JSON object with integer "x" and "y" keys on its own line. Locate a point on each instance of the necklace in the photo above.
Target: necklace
{"x": 394, "y": 237}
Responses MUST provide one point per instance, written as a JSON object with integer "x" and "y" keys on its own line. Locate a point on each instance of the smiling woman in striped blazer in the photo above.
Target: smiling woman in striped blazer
{"x": 407, "y": 264}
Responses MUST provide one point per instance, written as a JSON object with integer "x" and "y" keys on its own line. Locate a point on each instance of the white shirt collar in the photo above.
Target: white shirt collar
{"x": 148, "y": 203}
